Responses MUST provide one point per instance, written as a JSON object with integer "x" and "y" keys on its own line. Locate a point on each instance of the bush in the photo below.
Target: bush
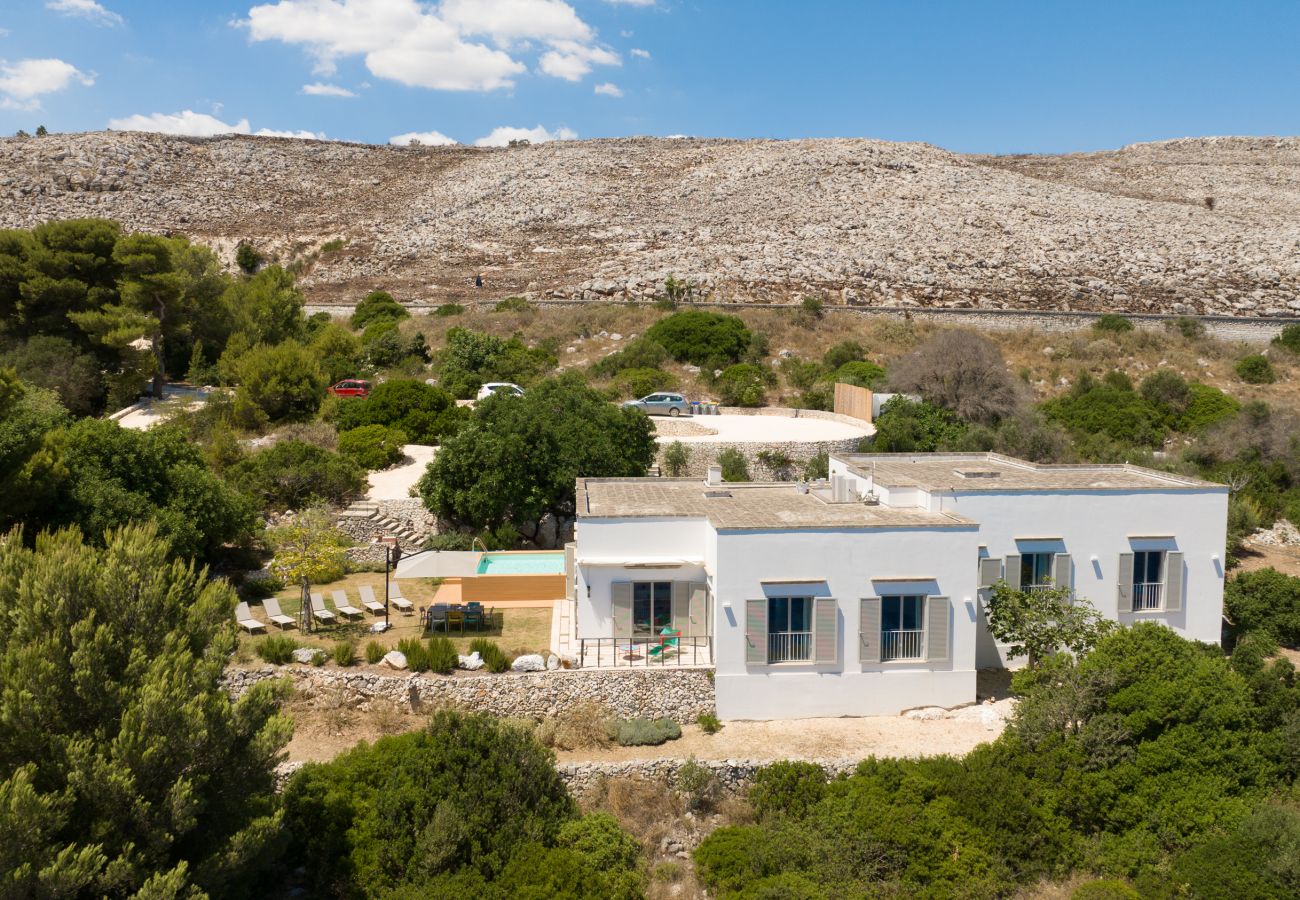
{"x": 260, "y": 587}
{"x": 471, "y": 358}
{"x": 1112, "y": 323}
{"x": 442, "y": 655}
{"x": 709, "y": 723}
{"x": 416, "y": 653}
{"x": 1110, "y": 407}
{"x": 333, "y": 245}
{"x": 583, "y": 725}
{"x": 424, "y": 413}
{"x": 1206, "y": 406}
{"x": 844, "y": 352}
{"x": 908, "y": 426}
{"x": 741, "y": 385}
{"x": 494, "y": 659}
{"x": 375, "y": 652}
{"x": 698, "y": 785}
{"x": 446, "y": 310}
{"x": 1289, "y": 338}
{"x": 641, "y": 353}
{"x": 734, "y": 465}
{"x": 291, "y": 474}
{"x": 778, "y": 462}
{"x": 645, "y": 732}
{"x": 788, "y": 788}
{"x": 704, "y": 338}
{"x": 1189, "y": 327}
{"x": 282, "y": 382}
{"x": 962, "y": 372}
{"x": 276, "y": 649}
{"x": 378, "y": 306}
{"x": 373, "y": 446}
{"x": 249, "y": 258}
{"x": 512, "y": 304}
{"x": 1255, "y": 369}
{"x": 343, "y": 653}
{"x": 1265, "y": 601}
{"x": 639, "y": 382}
{"x": 818, "y": 468}
{"x": 676, "y": 459}
{"x": 862, "y": 374}
{"x": 1105, "y": 889}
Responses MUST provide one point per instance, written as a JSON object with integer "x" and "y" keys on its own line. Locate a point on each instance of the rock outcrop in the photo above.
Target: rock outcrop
{"x": 1201, "y": 225}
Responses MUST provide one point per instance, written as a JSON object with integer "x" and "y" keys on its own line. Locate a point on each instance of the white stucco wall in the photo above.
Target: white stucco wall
{"x": 846, "y": 562}
{"x": 1100, "y": 523}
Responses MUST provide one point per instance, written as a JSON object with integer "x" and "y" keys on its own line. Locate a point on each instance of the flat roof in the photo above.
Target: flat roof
{"x": 742, "y": 506}
{"x": 984, "y": 472}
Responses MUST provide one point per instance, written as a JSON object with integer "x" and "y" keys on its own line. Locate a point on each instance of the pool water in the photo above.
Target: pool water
{"x": 506, "y": 563}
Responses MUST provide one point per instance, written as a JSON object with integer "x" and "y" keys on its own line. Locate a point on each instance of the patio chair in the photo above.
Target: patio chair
{"x": 668, "y": 640}
{"x": 318, "y": 610}
{"x": 474, "y": 617}
{"x": 344, "y": 607}
{"x": 246, "y": 620}
{"x": 437, "y": 616}
{"x": 368, "y": 599}
{"x": 456, "y": 616}
{"x": 396, "y": 599}
{"x": 271, "y": 607}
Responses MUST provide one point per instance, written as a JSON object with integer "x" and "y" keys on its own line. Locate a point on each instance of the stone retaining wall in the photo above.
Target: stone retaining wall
{"x": 734, "y": 775}
{"x": 678, "y": 694}
{"x": 703, "y": 454}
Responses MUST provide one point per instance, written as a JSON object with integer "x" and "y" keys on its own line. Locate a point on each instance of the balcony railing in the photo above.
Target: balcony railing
{"x": 600, "y": 653}
{"x": 902, "y": 644}
{"x": 1148, "y": 595}
{"x": 789, "y": 646}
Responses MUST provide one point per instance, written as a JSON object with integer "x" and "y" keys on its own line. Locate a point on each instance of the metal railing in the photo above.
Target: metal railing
{"x": 789, "y": 646}
{"x": 1148, "y": 595}
{"x": 901, "y": 644}
{"x": 610, "y": 652}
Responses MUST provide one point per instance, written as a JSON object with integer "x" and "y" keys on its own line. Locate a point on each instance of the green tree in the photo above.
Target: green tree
{"x": 58, "y": 364}
{"x": 283, "y": 381}
{"x": 339, "y": 352}
{"x": 703, "y": 338}
{"x": 249, "y": 258}
{"x": 517, "y": 461}
{"x": 1266, "y": 601}
{"x": 377, "y": 306}
{"x": 308, "y": 549}
{"x": 1110, "y": 407}
{"x": 734, "y": 465}
{"x": 1112, "y": 323}
{"x": 1041, "y": 621}
{"x": 266, "y": 308}
{"x": 909, "y": 426}
{"x": 844, "y": 352}
{"x": 1289, "y": 338}
{"x": 124, "y": 764}
{"x": 291, "y": 474}
{"x": 676, "y": 459}
{"x": 741, "y": 385}
{"x": 863, "y": 374}
{"x": 424, "y": 413}
{"x": 472, "y": 358}
{"x": 372, "y": 446}
{"x": 640, "y": 382}
{"x": 30, "y": 471}
{"x": 56, "y": 270}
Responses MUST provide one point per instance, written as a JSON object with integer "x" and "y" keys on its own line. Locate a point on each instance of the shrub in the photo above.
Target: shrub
{"x": 512, "y": 304}
{"x": 441, "y": 655}
{"x": 862, "y": 374}
{"x": 378, "y": 306}
{"x": 698, "y": 785}
{"x": 642, "y": 353}
{"x": 494, "y": 659}
{"x": 1110, "y": 407}
{"x": 644, "y": 732}
{"x": 818, "y": 468}
{"x": 1206, "y": 406}
{"x": 333, "y": 245}
{"x": 1255, "y": 369}
{"x": 471, "y": 358}
{"x": 1105, "y": 889}
{"x": 1112, "y": 323}
{"x": 844, "y": 352}
{"x": 1167, "y": 390}
{"x": 1189, "y": 327}
{"x": 249, "y": 258}
{"x": 734, "y": 465}
{"x": 446, "y": 310}
{"x": 276, "y": 649}
{"x": 259, "y": 587}
{"x": 343, "y": 653}
{"x": 676, "y": 459}
{"x": 375, "y": 652}
{"x": 789, "y": 788}
{"x": 580, "y": 726}
{"x": 373, "y": 446}
{"x": 639, "y": 382}
{"x": 1289, "y": 338}
{"x": 811, "y": 309}
{"x": 709, "y": 723}
{"x": 1266, "y": 601}
{"x": 281, "y": 382}
{"x": 291, "y": 473}
{"x": 741, "y": 385}
{"x": 424, "y": 413}
{"x": 908, "y": 426}
{"x": 962, "y": 372}
{"x": 778, "y": 462}
{"x": 702, "y": 338}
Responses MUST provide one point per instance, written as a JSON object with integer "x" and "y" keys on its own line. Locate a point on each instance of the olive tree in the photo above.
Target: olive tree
{"x": 1042, "y": 621}
{"x": 308, "y": 549}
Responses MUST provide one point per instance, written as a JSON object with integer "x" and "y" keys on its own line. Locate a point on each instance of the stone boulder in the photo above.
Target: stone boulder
{"x": 529, "y": 662}
{"x": 394, "y": 659}
{"x": 471, "y": 662}
{"x": 307, "y": 655}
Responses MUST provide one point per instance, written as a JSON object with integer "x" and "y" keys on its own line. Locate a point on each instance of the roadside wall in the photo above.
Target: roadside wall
{"x": 733, "y": 775}
{"x": 677, "y": 694}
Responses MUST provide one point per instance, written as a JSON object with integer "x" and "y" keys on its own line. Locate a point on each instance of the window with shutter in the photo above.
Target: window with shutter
{"x": 937, "y": 616}
{"x": 1062, "y": 571}
{"x": 1124, "y": 578}
{"x": 990, "y": 571}
{"x": 825, "y": 630}
{"x": 902, "y": 627}
{"x": 1173, "y": 582}
{"x": 869, "y": 630}
{"x": 756, "y": 631}
{"x": 621, "y": 608}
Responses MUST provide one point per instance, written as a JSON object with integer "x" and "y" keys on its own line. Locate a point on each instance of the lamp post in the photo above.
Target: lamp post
{"x": 392, "y": 553}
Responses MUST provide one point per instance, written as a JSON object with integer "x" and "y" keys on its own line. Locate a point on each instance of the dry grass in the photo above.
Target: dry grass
{"x": 583, "y": 726}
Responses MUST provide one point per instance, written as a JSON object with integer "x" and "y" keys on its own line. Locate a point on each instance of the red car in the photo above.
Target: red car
{"x": 352, "y": 387}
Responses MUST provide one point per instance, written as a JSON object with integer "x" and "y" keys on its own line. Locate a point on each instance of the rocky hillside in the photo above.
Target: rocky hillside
{"x": 1198, "y": 225}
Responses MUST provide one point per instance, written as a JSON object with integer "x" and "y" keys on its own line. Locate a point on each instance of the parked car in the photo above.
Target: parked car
{"x": 499, "y": 387}
{"x": 661, "y": 404}
{"x": 351, "y": 387}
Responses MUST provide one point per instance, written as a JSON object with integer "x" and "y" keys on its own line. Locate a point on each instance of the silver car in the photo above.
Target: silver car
{"x": 661, "y": 404}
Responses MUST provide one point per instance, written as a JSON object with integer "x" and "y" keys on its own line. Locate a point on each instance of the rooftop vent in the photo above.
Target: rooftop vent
{"x": 714, "y": 475}
{"x": 978, "y": 473}
{"x": 714, "y": 495}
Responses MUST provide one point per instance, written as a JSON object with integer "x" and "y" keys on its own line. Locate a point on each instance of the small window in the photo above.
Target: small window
{"x": 789, "y": 629}
{"x": 1035, "y": 571}
{"x": 652, "y": 607}
{"x": 902, "y": 627}
{"x": 1148, "y": 580}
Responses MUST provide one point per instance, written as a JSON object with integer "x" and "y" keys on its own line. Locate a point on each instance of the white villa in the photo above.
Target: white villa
{"x": 863, "y": 596}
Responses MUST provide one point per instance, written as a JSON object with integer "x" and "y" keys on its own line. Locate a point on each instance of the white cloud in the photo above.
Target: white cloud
{"x": 458, "y": 45}
{"x": 639, "y": 53}
{"x": 298, "y": 135}
{"x": 187, "y": 122}
{"x": 502, "y": 135}
{"x": 85, "y": 9}
{"x": 424, "y": 138}
{"x": 22, "y": 83}
{"x": 609, "y": 89}
{"x": 320, "y": 89}
{"x": 631, "y": 2}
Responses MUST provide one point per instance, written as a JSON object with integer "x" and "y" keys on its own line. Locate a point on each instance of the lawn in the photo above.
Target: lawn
{"x": 522, "y": 630}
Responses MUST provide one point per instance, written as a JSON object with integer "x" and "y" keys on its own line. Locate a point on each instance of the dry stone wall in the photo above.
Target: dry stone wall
{"x": 733, "y": 775}
{"x": 680, "y": 694}
{"x": 703, "y": 454}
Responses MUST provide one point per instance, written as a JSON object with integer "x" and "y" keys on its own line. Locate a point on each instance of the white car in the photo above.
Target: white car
{"x": 499, "y": 387}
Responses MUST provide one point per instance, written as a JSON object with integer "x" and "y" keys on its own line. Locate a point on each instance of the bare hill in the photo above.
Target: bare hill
{"x": 860, "y": 221}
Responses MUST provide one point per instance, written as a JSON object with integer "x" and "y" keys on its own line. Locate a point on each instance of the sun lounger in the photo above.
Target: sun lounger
{"x": 271, "y": 607}
{"x": 246, "y": 620}
{"x": 318, "y": 610}
{"x": 368, "y": 599}
{"x": 396, "y": 599}
{"x": 344, "y": 607}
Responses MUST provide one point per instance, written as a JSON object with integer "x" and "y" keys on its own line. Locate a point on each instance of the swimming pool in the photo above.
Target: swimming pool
{"x": 525, "y": 563}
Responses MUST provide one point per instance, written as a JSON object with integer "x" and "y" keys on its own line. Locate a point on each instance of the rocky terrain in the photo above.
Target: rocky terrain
{"x": 1202, "y": 225}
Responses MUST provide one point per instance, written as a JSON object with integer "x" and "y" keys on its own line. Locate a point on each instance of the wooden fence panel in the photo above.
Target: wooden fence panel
{"x": 851, "y": 400}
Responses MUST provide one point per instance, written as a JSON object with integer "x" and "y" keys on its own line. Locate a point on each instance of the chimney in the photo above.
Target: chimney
{"x": 714, "y": 477}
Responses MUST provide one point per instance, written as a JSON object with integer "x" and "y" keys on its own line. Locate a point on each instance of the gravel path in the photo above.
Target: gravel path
{"x": 396, "y": 483}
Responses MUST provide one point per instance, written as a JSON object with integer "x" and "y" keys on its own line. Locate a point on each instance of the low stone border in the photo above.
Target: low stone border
{"x": 678, "y": 694}
{"x": 702, "y": 454}
{"x": 786, "y": 412}
{"x": 733, "y": 775}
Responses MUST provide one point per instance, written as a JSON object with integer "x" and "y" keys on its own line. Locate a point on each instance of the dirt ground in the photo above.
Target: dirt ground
{"x": 1258, "y": 556}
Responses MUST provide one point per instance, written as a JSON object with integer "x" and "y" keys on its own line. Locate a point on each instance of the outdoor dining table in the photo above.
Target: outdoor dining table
{"x": 463, "y": 616}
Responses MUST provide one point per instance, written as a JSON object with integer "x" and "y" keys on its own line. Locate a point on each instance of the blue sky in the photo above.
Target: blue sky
{"x": 970, "y": 76}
